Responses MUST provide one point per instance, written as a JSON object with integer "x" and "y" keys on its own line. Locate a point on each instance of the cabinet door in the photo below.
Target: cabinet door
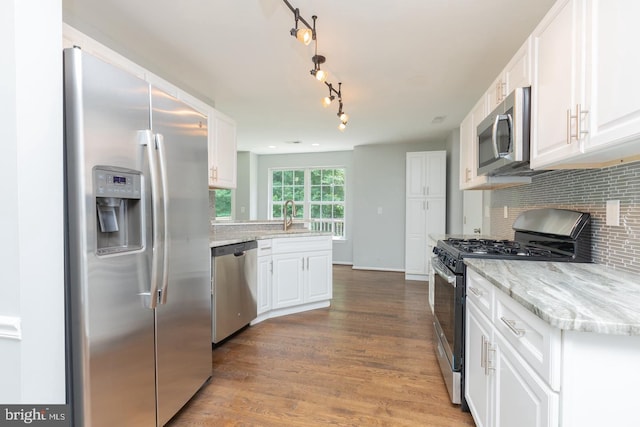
{"x": 517, "y": 73}
{"x": 557, "y": 84}
{"x": 222, "y": 151}
{"x": 469, "y": 147}
{"x": 614, "y": 107}
{"x": 521, "y": 398}
{"x": 265, "y": 269}
{"x": 436, "y": 174}
{"x": 318, "y": 277}
{"x": 288, "y": 280}
{"x": 477, "y": 380}
{"x": 416, "y": 237}
{"x": 415, "y": 175}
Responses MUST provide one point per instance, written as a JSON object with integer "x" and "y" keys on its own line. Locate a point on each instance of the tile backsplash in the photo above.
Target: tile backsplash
{"x": 585, "y": 190}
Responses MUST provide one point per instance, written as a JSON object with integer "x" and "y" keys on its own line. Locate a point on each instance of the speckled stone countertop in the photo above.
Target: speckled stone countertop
{"x": 217, "y": 238}
{"x": 569, "y": 296}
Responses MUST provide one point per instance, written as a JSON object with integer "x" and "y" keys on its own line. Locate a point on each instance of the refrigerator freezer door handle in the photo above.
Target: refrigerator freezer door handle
{"x": 146, "y": 139}
{"x": 164, "y": 277}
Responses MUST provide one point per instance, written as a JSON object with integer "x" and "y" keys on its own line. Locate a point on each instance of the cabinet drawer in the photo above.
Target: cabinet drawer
{"x": 480, "y": 291}
{"x": 265, "y": 247}
{"x": 301, "y": 244}
{"x": 535, "y": 340}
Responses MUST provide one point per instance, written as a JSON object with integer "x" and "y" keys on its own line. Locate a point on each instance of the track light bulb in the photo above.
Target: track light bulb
{"x": 326, "y": 101}
{"x": 304, "y": 36}
{"x": 342, "y": 127}
{"x": 344, "y": 118}
{"x": 321, "y": 75}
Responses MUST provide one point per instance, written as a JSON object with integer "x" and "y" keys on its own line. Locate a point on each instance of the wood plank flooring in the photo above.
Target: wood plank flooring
{"x": 368, "y": 360}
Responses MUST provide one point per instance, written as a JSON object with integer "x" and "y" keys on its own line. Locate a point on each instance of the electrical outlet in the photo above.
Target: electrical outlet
{"x": 613, "y": 213}
{"x": 380, "y": 210}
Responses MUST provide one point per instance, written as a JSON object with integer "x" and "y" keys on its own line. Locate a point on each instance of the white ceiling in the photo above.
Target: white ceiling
{"x": 402, "y": 63}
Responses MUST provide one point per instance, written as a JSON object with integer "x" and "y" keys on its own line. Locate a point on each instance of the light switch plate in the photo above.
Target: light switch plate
{"x": 613, "y": 213}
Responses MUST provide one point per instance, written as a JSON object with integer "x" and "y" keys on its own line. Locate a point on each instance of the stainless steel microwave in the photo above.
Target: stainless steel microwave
{"x": 503, "y": 137}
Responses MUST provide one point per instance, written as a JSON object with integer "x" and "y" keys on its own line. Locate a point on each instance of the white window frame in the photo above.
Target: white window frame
{"x": 317, "y": 225}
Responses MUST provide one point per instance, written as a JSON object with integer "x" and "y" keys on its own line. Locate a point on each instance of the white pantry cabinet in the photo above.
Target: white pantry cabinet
{"x": 294, "y": 275}
{"x": 585, "y": 96}
{"x": 426, "y": 189}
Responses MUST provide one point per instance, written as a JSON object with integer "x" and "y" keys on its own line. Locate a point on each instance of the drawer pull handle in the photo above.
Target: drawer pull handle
{"x": 511, "y": 324}
{"x": 476, "y": 292}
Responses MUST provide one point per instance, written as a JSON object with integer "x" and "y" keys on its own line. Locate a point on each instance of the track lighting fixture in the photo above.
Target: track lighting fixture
{"x": 306, "y": 35}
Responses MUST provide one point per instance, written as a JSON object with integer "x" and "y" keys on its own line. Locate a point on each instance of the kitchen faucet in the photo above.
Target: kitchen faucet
{"x": 288, "y": 218}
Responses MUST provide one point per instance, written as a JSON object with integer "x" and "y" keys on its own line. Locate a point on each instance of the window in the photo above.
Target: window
{"x": 223, "y": 204}
{"x": 318, "y": 193}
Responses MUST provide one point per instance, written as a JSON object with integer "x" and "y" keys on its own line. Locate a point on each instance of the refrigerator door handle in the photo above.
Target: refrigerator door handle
{"x": 146, "y": 139}
{"x": 164, "y": 277}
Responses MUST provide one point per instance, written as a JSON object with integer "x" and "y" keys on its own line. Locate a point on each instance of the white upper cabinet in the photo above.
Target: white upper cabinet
{"x": 585, "y": 96}
{"x": 613, "y": 97}
{"x": 516, "y": 74}
{"x": 557, "y": 84}
{"x": 222, "y": 151}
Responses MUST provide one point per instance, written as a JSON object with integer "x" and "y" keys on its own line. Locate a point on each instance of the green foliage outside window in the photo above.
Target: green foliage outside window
{"x": 321, "y": 191}
{"x": 223, "y": 204}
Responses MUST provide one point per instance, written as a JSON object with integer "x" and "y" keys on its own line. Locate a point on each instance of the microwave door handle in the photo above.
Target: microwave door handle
{"x": 509, "y": 120}
{"x": 494, "y": 136}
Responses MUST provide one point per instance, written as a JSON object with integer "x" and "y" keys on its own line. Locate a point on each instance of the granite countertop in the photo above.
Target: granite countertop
{"x": 217, "y": 238}
{"x": 569, "y": 296}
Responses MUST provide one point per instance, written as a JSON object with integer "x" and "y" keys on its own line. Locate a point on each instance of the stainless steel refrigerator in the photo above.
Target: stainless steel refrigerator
{"x": 138, "y": 286}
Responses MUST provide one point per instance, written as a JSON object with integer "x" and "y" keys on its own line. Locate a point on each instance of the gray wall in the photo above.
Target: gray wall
{"x": 587, "y": 191}
{"x": 246, "y": 194}
{"x": 379, "y": 183}
{"x": 342, "y": 249}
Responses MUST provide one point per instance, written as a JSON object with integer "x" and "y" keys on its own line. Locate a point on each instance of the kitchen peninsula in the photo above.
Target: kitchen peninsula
{"x": 294, "y": 267}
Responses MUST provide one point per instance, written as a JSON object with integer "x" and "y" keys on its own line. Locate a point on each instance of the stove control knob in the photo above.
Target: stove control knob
{"x": 454, "y": 262}
{"x": 436, "y": 250}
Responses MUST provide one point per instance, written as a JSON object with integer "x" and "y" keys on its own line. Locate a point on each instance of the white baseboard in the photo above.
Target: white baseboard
{"x": 342, "y": 263}
{"x": 396, "y": 270}
{"x": 418, "y": 277}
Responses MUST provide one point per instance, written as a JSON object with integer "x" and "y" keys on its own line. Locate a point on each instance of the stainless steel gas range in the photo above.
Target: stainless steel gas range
{"x": 540, "y": 235}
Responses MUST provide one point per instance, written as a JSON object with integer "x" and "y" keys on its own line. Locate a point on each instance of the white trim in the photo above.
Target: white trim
{"x": 397, "y": 270}
{"x": 418, "y": 277}
{"x": 10, "y": 328}
{"x": 342, "y": 262}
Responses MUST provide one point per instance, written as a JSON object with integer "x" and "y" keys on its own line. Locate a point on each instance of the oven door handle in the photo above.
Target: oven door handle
{"x": 441, "y": 270}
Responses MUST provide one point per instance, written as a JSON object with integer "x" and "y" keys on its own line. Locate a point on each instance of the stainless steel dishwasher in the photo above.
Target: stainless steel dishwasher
{"x": 233, "y": 288}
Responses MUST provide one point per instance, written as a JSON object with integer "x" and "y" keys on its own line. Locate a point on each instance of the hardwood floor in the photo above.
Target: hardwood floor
{"x": 367, "y": 360}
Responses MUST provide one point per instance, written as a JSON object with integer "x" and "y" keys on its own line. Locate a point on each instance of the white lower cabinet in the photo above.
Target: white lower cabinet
{"x": 295, "y": 276}
{"x": 265, "y": 272}
{"x": 288, "y": 280}
{"x": 501, "y": 387}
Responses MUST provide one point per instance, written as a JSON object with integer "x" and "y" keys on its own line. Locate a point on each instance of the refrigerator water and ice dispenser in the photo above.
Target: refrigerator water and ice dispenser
{"x": 118, "y": 210}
